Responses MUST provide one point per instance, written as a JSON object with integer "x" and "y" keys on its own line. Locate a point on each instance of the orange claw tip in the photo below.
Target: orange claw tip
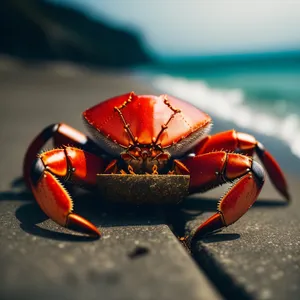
{"x": 212, "y": 224}
{"x": 79, "y": 224}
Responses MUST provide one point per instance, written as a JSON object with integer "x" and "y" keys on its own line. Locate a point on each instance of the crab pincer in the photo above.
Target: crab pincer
{"x": 50, "y": 193}
{"x": 246, "y": 176}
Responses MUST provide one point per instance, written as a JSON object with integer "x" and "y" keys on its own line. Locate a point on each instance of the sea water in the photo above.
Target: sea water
{"x": 261, "y": 96}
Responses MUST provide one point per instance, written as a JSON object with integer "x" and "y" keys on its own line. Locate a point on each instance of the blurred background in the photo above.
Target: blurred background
{"x": 238, "y": 60}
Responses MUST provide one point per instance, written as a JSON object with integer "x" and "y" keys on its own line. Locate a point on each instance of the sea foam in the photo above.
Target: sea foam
{"x": 231, "y": 105}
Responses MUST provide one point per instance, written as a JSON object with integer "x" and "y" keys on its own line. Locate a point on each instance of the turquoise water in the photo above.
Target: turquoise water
{"x": 273, "y": 84}
{"x": 277, "y": 89}
{"x": 261, "y": 95}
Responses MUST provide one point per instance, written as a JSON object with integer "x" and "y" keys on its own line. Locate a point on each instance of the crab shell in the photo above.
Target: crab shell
{"x": 146, "y": 115}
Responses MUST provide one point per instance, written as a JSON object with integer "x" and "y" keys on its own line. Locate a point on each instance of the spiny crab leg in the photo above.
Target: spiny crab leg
{"x": 246, "y": 144}
{"x": 64, "y": 164}
{"x": 212, "y": 169}
{"x": 62, "y": 134}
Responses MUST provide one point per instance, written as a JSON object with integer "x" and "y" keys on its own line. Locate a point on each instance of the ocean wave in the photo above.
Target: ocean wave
{"x": 231, "y": 105}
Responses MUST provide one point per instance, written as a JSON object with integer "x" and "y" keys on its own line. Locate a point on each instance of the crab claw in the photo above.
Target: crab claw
{"x": 212, "y": 224}
{"x": 79, "y": 224}
{"x": 236, "y": 202}
{"x": 54, "y": 199}
{"x": 274, "y": 171}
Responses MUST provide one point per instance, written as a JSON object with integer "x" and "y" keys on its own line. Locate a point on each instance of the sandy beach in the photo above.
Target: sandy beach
{"x": 34, "y": 97}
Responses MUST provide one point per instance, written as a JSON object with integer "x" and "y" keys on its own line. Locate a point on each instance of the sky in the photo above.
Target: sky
{"x": 203, "y": 27}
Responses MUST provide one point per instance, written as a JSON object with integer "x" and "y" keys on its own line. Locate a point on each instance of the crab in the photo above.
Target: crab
{"x": 146, "y": 135}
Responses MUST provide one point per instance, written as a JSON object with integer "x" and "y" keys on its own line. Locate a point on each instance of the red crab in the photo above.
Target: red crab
{"x": 145, "y": 134}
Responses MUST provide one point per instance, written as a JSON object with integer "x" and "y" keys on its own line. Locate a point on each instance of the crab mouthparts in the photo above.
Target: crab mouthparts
{"x": 145, "y": 160}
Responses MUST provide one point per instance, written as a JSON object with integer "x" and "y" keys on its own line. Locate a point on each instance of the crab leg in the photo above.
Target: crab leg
{"x": 68, "y": 164}
{"x": 62, "y": 134}
{"x": 212, "y": 169}
{"x": 246, "y": 144}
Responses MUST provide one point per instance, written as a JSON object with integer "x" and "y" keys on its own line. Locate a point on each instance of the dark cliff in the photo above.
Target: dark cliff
{"x": 36, "y": 30}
